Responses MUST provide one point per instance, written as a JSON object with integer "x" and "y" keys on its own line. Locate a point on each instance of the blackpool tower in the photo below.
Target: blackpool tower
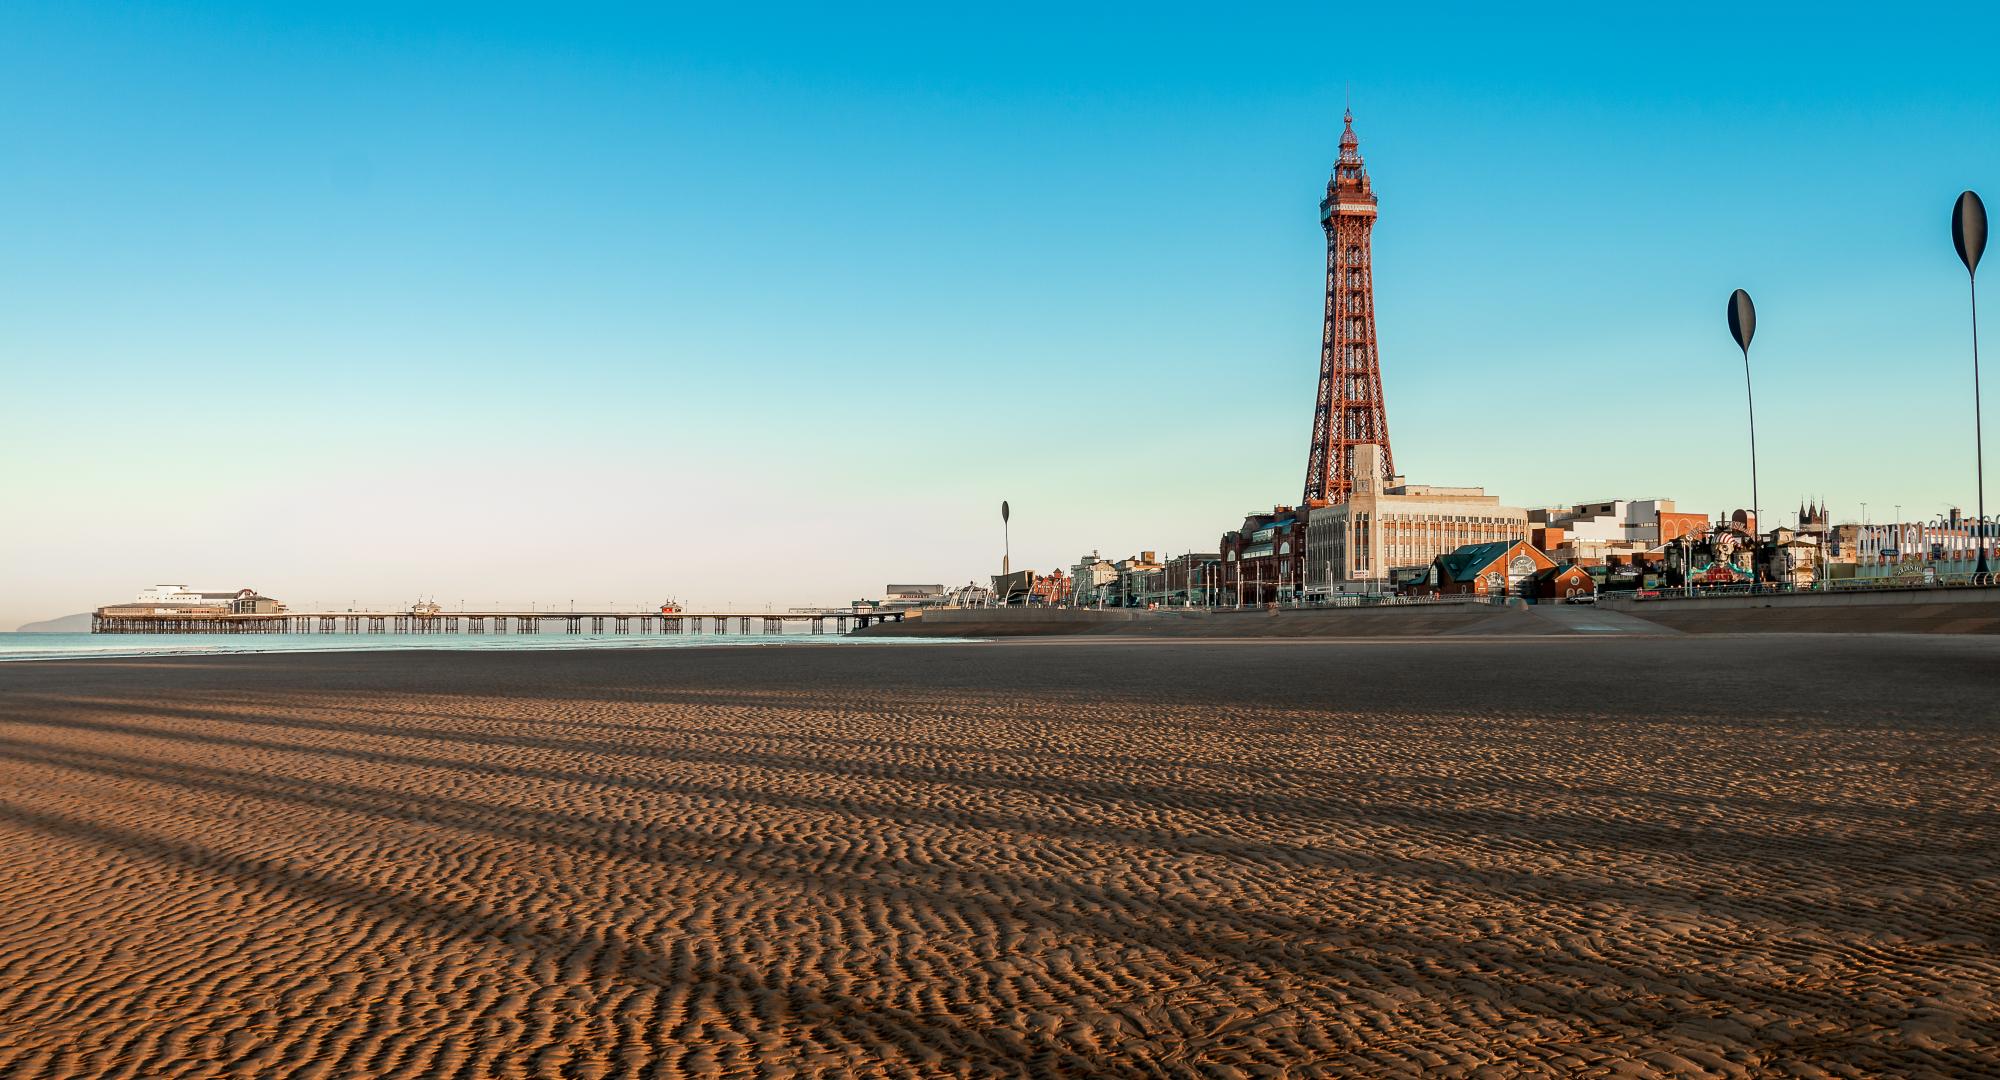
{"x": 1348, "y": 411}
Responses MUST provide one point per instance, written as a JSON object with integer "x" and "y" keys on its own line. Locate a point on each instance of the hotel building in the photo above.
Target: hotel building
{"x": 1351, "y": 546}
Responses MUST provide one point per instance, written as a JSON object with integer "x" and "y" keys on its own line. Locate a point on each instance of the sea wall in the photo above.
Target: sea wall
{"x": 1892, "y": 611}
{"x": 1884, "y": 611}
{"x": 1415, "y": 620}
{"x": 999, "y": 622}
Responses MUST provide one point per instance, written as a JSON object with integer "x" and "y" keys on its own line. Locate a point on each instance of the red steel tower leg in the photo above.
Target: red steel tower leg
{"x": 1348, "y": 411}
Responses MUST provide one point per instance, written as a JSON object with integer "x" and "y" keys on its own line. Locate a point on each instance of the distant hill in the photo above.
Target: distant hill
{"x": 68, "y": 624}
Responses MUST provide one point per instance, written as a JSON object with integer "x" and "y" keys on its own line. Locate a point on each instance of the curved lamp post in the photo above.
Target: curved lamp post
{"x": 1968, "y": 235}
{"x": 1006, "y": 542}
{"x": 1743, "y": 327}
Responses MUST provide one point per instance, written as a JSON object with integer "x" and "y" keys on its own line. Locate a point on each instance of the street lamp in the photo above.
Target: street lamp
{"x": 1006, "y": 541}
{"x": 1687, "y": 563}
{"x": 1743, "y": 327}
{"x": 1968, "y": 235}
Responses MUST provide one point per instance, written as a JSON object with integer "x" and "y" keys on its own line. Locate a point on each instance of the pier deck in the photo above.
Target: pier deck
{"x": 483, "y": 622}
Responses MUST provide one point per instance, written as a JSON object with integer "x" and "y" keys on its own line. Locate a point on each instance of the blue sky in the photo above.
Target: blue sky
{"x": 362, "y": 301}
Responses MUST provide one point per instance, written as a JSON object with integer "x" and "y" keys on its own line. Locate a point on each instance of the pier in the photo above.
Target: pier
{"x": 487, "y": 622}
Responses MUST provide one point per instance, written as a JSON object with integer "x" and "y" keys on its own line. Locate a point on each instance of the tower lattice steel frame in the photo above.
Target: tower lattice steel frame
{"x": 1348, "y": 411}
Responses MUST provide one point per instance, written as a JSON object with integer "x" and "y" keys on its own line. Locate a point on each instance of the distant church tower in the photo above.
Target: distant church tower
{"x": 1348, "y": 411}
{"x": 1814, "y": 517}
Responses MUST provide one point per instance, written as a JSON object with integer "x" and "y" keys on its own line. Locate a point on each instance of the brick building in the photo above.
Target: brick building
{"x": 1263, "y": 560}
{"x": 1558, "y": 583}
{"x": 1503, "y": 567}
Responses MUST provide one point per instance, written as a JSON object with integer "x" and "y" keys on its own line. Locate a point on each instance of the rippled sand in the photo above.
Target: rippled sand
{"x": 1697, "y": 856}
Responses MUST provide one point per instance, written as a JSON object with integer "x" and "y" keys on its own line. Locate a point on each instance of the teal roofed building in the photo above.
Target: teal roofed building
{"x": 1493, "y": 568}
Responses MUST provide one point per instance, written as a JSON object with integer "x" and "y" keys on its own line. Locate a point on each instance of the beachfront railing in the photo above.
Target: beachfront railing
{"x": 1841, "y": 585}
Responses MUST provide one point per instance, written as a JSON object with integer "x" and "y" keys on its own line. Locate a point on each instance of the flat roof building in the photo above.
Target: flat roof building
{"x": 1352, "y": 546}
{"x": 181, "y": 600}
{"x": 1595, "y": 531}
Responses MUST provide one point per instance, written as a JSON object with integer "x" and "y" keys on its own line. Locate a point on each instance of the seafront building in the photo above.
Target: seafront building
{"x": 1497, "y": 568}
{"x": 1099, "y": 582}
{"x": 181, "y": 600}
{"x": 1139, "y": 580}
{"x": 1262, "y": 561}
{"x": 912, "y": 595}
{"x": 1352, "y": 546}
{"x": 1594, "y": 533}
{"x": 904, "y": 598}
{"x": 1053, "y": 588}
{"x": 1794, "y": 558}
{"x": 1921, "y": 552}
{"x": 1092, "y": 581}
{"x": 1190, "y": 579}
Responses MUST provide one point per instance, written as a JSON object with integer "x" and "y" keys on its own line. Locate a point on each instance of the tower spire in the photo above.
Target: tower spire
{"x": 1349, "y": 166}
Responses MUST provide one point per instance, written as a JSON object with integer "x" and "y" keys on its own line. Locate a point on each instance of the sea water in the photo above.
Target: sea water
{"x": 88, "y": 646}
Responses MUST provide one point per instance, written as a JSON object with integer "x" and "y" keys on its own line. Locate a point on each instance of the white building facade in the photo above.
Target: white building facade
{"x": 1352, "y": 546}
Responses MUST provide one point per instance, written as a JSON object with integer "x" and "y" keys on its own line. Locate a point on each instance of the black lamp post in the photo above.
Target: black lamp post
{"x": 1968, "y": 235}
{"x": 1743, "y": 327}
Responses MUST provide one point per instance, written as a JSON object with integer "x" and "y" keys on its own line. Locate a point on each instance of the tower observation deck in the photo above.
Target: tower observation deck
{"x": 1348, "y": 410}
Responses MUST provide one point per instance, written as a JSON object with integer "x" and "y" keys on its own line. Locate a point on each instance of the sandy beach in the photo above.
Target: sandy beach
{"x": 1690, "y": 856}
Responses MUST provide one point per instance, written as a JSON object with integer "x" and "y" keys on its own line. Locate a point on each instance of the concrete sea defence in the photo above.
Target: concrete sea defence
{"x": 1892, "y": 611}
{"x": 1426, "y": 620}
{"x": 1914, "y": 611}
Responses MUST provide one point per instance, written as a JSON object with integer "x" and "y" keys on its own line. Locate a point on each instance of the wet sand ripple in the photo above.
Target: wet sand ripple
{"x": 1696, "y": 857}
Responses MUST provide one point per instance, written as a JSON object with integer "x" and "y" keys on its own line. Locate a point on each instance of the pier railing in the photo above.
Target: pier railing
{"x": 1905, "y": 583}
{"x": 489, "y": 622}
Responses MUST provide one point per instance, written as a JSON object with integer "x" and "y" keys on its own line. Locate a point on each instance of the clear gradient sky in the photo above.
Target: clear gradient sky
{"x": 770, "y": 305}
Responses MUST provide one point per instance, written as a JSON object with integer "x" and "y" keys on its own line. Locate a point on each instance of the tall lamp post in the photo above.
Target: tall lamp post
{"x": 1968, "y": 235}
{"x": 1743, "y": 327}
{"x": 1006, "y": 549}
